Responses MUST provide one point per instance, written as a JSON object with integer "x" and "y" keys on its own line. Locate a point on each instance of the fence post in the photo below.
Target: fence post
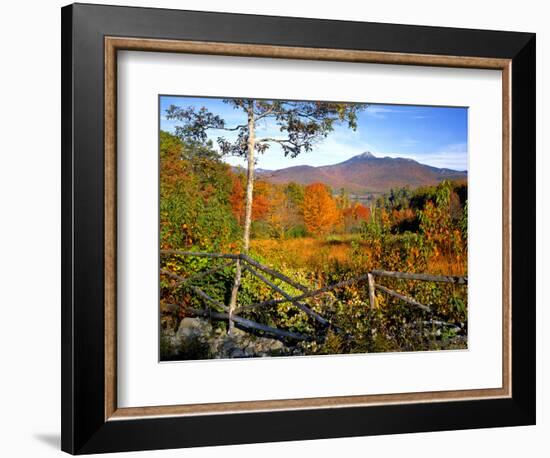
{"x": 233, "y": 300}
{"x": 372, "y": 297}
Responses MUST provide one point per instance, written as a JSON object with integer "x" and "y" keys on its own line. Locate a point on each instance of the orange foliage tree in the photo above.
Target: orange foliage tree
{"x": 321, "y": 214}
{"x": 279, "y": 216}
{"x": 260, "y": 205}
{"x": 236, "y": 199}
{"x": 354, "y": 214}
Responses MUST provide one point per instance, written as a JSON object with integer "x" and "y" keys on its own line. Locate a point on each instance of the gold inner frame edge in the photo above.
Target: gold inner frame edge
{"x": 114, "y": 44}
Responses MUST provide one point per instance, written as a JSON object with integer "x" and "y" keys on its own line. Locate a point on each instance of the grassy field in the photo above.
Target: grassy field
{"x": 343, "y": 250}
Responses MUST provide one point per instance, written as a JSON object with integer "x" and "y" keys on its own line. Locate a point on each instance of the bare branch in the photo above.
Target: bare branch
{"x": 273, "y": 140}
{"x": 229, "y": 129}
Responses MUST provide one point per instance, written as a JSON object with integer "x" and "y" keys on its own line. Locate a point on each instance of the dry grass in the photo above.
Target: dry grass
{"x": 302, "y": 252}
{"x": 446, "y": 266}
{"x": 314, "y": 253}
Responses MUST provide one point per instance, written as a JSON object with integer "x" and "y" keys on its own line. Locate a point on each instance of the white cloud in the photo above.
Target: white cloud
{"x": 340, "y": 145}
{"x": 454, "y": 160}
{"x": 380, "y": 112}
{"x": 409, "y": 142}
{"x": 461, "y": 147}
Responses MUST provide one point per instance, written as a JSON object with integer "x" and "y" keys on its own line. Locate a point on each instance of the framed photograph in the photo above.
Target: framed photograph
{"x": 282, "y": 228}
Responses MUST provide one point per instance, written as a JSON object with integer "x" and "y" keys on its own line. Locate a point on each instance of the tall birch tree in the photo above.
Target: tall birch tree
{"x": 300, "y": 126}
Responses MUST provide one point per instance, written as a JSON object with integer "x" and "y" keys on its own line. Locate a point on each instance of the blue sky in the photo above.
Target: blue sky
{"x": 435, "y": 136}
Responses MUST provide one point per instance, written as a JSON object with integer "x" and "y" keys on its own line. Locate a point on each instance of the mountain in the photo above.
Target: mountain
{"x": 366, "y": 173}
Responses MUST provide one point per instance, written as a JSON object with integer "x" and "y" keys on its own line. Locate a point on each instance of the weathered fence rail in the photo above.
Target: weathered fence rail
{"x": 258, "y": 270}
{"x": 421, "y": 277}
{"x": 249, "y": 324}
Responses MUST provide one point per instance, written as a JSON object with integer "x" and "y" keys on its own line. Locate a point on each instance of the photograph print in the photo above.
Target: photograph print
{"x": 298, "y": 228}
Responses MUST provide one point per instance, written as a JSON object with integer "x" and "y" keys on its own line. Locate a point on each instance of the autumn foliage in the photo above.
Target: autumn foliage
{"x": 318, "y": 237}
{"x": 321, "y": 214}
{"x": 236, "y": 199}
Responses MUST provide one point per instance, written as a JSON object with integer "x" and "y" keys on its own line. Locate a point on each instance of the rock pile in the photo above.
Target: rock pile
{"x": 195, "y": 338}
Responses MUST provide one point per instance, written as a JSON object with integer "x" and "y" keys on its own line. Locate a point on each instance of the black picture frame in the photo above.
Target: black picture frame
{"x": 84, "y": 428}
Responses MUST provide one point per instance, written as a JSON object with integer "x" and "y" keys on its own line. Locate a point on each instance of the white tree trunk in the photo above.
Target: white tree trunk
{"x": 247, "y": 214}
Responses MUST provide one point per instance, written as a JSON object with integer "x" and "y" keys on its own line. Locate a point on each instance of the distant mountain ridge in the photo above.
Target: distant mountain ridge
{"x": 365, "y": 173}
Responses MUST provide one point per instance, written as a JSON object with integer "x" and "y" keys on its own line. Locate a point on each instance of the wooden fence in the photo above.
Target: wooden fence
{"x": 215, "y": 310}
